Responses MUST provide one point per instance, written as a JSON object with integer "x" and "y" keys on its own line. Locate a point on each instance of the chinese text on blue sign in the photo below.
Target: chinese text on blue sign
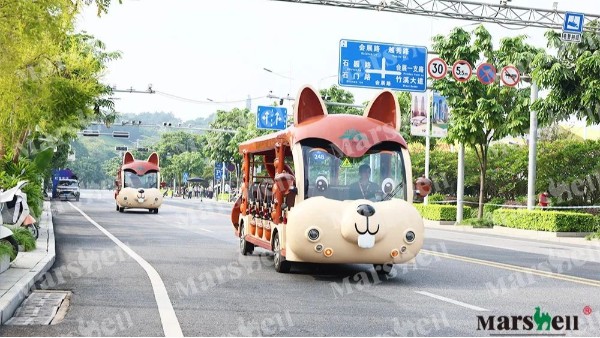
{"x": 382, "y": 65}
{"x": 274, "y": 118}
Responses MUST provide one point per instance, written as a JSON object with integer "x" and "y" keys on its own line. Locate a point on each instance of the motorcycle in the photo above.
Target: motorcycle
{"x": 15, "y": 211}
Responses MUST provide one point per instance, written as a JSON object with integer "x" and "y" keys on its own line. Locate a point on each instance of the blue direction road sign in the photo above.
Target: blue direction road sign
{"x": 380, "y": 65}
{"x": 185, "y": 177}
{"x": 218, "y": 171}
{"x": 274, "y": 118}
{"x": 573, "y": 22}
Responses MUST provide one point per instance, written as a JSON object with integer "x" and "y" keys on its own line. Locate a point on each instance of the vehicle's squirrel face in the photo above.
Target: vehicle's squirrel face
{"x": 362, "y": 224}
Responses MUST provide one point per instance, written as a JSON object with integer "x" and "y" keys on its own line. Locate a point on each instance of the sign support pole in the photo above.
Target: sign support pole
{"x": 222, "y": 180}
{"x": 532, "y": 149}
{"x": 427, "y": 143}
{"x": 460, "y": 184}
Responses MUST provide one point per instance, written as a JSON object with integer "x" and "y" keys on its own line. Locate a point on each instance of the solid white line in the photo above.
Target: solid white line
{"x": 455, "y": 302}
{"x": 168, "y": 318}
{"x": 206, "y": 230}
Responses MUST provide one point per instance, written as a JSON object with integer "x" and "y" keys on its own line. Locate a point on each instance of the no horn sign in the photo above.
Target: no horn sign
{"x": 510, "y": 76}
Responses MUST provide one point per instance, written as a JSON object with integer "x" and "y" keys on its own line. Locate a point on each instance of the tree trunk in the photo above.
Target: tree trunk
{"x": 17, "y": 148}
{"x": 482, "y": 174}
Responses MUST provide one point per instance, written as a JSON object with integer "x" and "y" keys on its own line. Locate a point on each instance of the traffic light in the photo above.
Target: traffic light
{"x": 121, "y": 148}
{"x": 167, "y": 124}
{"x": 142, "y": 149}
{"x": 122, "y": 134}
{"x": 91, "y": 133}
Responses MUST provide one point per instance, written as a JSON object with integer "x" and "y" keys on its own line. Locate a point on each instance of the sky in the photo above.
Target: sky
{"x": 216, "y": 49}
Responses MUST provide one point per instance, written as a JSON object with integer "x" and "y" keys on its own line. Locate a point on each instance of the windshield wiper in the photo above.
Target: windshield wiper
{"x": 393, "y": 192}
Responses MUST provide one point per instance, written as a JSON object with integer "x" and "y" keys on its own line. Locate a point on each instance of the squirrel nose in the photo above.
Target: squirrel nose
{"x": 365, "y": 210}
{"x": 141, "y": 191}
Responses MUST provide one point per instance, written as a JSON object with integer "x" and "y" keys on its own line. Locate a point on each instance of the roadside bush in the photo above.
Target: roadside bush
{"x": 595, "y": 235}
{"x": 437, "y": 212}
{"x": 478, "y": 223}
{"x": 24, "y": 238}
{"x": 7, "y": 250}
{"x": 558, "y": 221}
{"x": 489, "y": 207}
{"x": 434, "y": 198}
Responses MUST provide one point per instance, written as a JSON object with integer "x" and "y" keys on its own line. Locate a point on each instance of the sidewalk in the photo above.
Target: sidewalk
{"x": 564, "y": 238}
{"x": 28, "y": 268}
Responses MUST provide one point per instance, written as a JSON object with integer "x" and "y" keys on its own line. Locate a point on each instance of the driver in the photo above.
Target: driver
{"x": 134, "y": 181}
{"x": 364, "y": 188}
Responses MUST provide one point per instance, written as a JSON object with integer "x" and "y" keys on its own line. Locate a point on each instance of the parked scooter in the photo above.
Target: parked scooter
{"x": 15, "y": 211}
{"x": 6, "y": 235}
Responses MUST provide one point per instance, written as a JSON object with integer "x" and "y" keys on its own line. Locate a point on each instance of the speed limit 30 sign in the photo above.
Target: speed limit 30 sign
{"x": 437, "y": 69}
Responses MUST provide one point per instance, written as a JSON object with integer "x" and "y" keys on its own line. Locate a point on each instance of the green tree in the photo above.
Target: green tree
{"x": 191, "y": 162}
{"x": 484, "y": 113}
{"x": 224, "y": 146}
{"x": 111, "y": 166}
{"x": 178, "y": 142}
{"x": 339, "y": 95}
{"x": 572, "y": 78}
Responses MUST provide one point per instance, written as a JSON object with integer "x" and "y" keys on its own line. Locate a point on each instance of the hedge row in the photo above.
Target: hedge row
{"x": 438, "y": 212}
{"x": 555, "y": 221}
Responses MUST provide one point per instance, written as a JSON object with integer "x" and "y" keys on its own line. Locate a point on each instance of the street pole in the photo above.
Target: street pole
{"x": 460, "y": 184}
{"x": 427, "y": 144}
{"x": 222, "y": 179}
{"x": 532, "y": 149}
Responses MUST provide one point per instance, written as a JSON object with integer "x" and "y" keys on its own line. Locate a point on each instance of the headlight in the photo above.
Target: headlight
{"x": 410, "y": 237}
{"x": 313, "y": 234}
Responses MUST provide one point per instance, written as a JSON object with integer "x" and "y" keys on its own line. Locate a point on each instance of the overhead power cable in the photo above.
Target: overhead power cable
{"x": 185, "y": 99}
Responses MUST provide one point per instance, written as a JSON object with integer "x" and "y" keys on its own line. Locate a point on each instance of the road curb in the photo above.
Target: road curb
{"x": 11, "y": 300}
{"x": 567, "y": 238}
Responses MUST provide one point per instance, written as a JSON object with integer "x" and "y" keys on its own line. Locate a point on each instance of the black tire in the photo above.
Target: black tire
{"x": 281, "y": 265}
{"x": 151, "y": 211}
{"x": 117, "y": 206}
{"x": 121, "y": 209}
{"x": 245, "y": 246}
{"x": 156, "y": 210}
{"x": 34, "y": 229}
{"x": 383, "y": 269}
{"x": 77, "y": 199}
{"x": 15, "y": 245}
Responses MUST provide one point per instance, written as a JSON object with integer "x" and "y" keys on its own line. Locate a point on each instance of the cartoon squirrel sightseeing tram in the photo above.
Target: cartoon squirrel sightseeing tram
{"x": 331, "y": 188}
{"x": 137, "y": 184}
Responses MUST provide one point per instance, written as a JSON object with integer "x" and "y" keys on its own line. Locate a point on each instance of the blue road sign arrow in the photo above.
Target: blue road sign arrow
{"x": 379, "y": 65}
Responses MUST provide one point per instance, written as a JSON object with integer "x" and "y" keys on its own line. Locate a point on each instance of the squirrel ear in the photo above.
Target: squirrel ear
{"x": 128, "y": 158}
{"x": 153, "y": 158}
{"x": 308, "y": 104}
{"x": 384, "y": 107}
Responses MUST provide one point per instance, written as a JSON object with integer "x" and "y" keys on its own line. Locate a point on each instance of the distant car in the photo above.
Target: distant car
{"x": 68, "y": 188}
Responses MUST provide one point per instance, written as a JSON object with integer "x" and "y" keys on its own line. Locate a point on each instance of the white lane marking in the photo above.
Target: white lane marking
{"x": 206, "y": 230}
{"x": 168, "y": 318}
{"x": 455, "y": 302}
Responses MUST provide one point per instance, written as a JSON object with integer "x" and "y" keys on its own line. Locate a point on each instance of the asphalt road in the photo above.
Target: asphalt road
{"x": 214, "y": 291}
